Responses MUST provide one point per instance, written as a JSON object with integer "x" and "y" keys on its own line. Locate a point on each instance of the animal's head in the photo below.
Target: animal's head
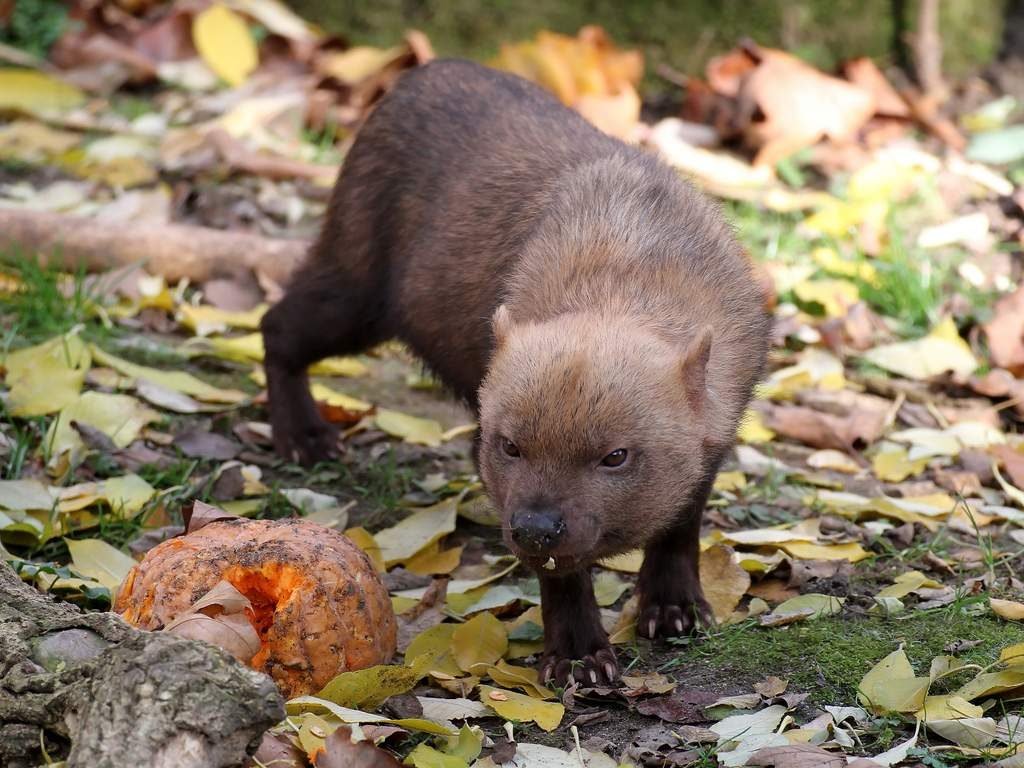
{"x": 593, "y": 433}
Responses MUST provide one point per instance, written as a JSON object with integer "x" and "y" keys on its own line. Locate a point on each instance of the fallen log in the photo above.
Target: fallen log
{"x": 173, "y": 250}
{"x": 122, "y": 698}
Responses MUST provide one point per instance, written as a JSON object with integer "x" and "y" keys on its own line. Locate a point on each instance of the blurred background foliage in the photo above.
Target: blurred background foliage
{"x": 681, "y": 35}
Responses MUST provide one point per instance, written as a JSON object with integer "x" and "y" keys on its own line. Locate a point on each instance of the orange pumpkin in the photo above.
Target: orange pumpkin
{"x": 318, "y": 605}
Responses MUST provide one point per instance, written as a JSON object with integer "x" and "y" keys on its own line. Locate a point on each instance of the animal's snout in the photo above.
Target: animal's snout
{"x": 538, "y": 531}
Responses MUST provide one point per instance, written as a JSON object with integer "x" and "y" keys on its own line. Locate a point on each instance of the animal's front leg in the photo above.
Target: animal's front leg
{"x": 671, "y": 599}
{"x": 575, "y": 643}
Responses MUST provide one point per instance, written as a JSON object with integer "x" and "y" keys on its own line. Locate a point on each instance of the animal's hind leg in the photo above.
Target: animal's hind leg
{"x": 323, "y": 313}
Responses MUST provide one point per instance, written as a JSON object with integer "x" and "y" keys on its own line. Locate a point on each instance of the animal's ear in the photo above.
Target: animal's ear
{"x": 501, "y": 324}
{"x": 695, "y": 366}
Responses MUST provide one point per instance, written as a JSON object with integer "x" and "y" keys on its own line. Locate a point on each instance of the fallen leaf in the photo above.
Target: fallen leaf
{"x": 608, "y": 588}
{"x": 96, "y": 559}
{"x": 940, "y": 351}
{"x": 342, "y": 749}
{"x": 797, "y": 756}
{"x": 371, "y": 687}
{"x": 742, "y": 726}
{"x": 891, "y": 686}
{"x": 417, "y": 532}
{"x": 22, "y": 495}
{"x": 1007, "y": 609}
{"x": 723, "y": 580}
{"x": 481, "y": 640}
{"x": 225, "y": 43}
{"x": 519, "y": 708}
{"x": 180, "y": 381}
{"x": 47, "y": 377}
{"x": 199, "y": 444}
{"x": 34, "y": 92}
{"x": 302, "y": 704}
{"x": 411, "y": 429}
{"x": 435, "y": 643}
{"x": 119, "y": 417}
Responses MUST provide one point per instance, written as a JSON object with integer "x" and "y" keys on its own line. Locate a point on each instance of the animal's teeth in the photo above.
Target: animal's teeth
{"x": 550, "y": 564}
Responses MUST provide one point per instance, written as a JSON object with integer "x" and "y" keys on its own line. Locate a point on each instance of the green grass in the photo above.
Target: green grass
{"x": 48, "y": 303}
{"x": 828, "y": 657}
{"x": 35, "y": 25}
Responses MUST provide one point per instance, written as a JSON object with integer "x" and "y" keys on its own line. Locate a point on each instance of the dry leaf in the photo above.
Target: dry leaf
{"x": 224, "y": 41}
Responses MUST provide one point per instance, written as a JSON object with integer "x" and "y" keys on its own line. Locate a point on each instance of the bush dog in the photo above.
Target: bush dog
{"x": 592, "y": 308}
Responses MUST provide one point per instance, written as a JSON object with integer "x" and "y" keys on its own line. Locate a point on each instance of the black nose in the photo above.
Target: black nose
{"x": 537, "y": 531}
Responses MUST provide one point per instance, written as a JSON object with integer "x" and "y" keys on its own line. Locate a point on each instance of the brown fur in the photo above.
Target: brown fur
{"x": 574, "y": 291}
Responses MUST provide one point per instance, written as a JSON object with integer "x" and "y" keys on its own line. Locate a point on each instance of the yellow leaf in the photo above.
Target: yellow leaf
{"x": 830, "y": 458}
{"x": 225, "y": 43}
{"x": 412, "y": 429}
{"x": 30, "y": 91}
{"x": 434, "y": 561}
{"x": 206, "y": 320}
{"x": 627, "y": 562}
{"x": 730, "y": 481}
{"x": 834, "y": 296}
{"x": 841, "y": 218}
{"x": 417, "y": 532}
{"x": 366, "y": 542}
{"x": 339, "y": 366}
{"x": 24, "y": 494}
{"x": 891, "y": 686}
{"x": 425, "y": 756}
{"x": 752, "y": 429}
{"x": 832, "y": 262}
{"x": 1007, "y": 609}
{"x": 821, "y": 605}
{"x": 249, "y": 348}
{"x": 302, "y": 704}
{"x": 893, "y": 466}
{"x": 97, "y": 559}
{"x": 1013, "y": 655}
{"x": 805, "y": 550}
{"x": 519, "y": 707}
{"x": 481, "y": 640}
{"x": 947, "y": 707}
{"x": 179, "y": 381}
{"x": 47, "y": 377}
{"x": 940, "y": 351}
{"x": 817, "y": 368}
{"x": 723, "y": 580}
{"x": 908, "y": 582}
{"x": 324, "y": 394}
{"x": 119, "y": 417}
{"x": 371, "y": 687}
{"x": 989, "y": 683}
{"x": 126, "y": 495}
{"x": 355, "y": 64}
{"x": 526, "y": 679}
{"x": 608, "y": 588}
{"x": 435, "y": 643}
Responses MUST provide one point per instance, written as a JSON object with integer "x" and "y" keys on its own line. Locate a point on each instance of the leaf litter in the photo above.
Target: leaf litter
{"x": 886, "y": 436}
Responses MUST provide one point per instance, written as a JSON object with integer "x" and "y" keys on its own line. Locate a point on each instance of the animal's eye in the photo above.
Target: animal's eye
{"x": 510, "y": 448}
{"x": 615, "y": 459}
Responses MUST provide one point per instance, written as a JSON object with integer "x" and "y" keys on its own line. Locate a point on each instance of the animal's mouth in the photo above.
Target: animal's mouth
{"x": 553, "y": 565}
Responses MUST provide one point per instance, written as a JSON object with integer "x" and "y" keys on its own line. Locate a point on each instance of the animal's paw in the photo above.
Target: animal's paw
{"x": 597, "y": 668}
{"x": 673, "y": 616}
{"x": 307, "y": 443}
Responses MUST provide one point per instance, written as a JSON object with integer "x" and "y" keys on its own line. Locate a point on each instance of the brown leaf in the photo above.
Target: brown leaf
{"x": 428, "y": 612}
{"x": 772, "y": 591}
{"x": 685, "y": 705}
{"x": 197, "y": 444}
{"x": 1005, "y": 332}
{"x": 277, "y": 750}
{"x": 199, "y": 513}
{"x": 797, "y": 756}
{"x": 340, "y": 752}
{"x": 771, "y": 687}
{"x": 864, "y": 73}
{"x": 800, "y": 105}
{"x": 237, "y": 295}
{"x": 1012, "y": 461}
{"x": 826, "y": 430}
{"x": 230, "y": 631}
